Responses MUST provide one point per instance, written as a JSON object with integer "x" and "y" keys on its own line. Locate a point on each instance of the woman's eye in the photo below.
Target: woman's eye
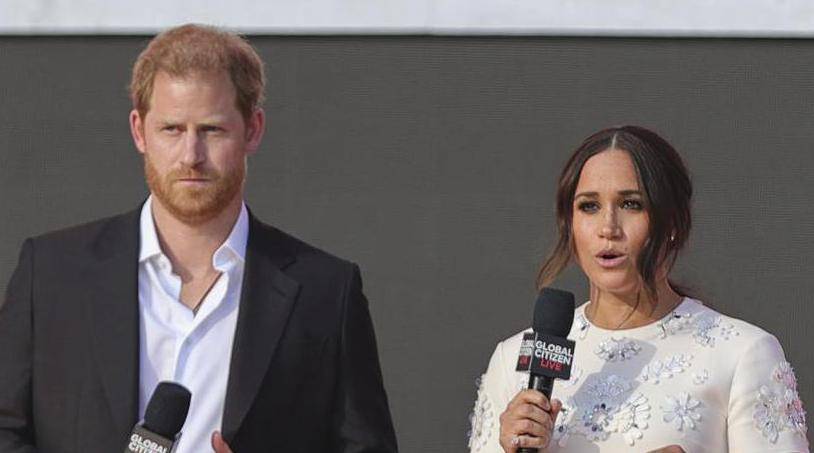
{"x": 632, "y": 204}
{"x": 588, "y": 206}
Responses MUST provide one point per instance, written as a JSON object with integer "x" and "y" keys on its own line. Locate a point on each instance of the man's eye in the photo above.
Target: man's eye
{"x": 588, "y": 206}
{"x": 170, "y": 129}
{"x": 632, "y": 204}
{"x": 209, "y": 129}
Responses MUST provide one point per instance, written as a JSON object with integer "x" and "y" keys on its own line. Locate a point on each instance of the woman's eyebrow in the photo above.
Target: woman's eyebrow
{"x": 596, "y": 194}
{"x": 586, "y": 194}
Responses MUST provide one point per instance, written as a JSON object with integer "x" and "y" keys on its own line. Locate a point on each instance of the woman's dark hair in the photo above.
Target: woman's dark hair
{"x": 667, "y": 193}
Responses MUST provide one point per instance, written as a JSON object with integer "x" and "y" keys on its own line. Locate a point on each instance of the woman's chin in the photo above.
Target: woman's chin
{"x": 615, "y": 285}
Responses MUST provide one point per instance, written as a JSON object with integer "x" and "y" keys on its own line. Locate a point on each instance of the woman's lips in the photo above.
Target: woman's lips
{"x": 610, "y": 262}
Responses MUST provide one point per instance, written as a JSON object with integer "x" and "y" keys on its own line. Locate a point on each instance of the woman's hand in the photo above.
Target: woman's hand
{"x": 528, "y": 421}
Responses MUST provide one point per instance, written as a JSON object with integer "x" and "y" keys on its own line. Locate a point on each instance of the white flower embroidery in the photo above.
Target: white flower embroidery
{"x": 727, "y": 331}
{"x": 703, "y": 329}
{"x": 712, "y": 326}
{"x": 613, "y": 349}
{"x": 675, "y": 322}
{"x": 631, "y": 418}
{"x": 681, "y": 410}
{"x": 562, "y": 431}
{"x": 582, "y": 326}
{"x": 481, "y": 420}
{"x": 596, "y": 422}
{"x": 779, "y": 406}
{"x": 784, "y": 374}
{"x": 603, "y": 405}
{"x": 700, "y": 377}
{"x": 657, "y": 370}
{"x": 597, "y": 404}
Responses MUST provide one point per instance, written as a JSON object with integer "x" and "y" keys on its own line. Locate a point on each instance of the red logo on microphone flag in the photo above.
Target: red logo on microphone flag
{"x": 526, "y": 352}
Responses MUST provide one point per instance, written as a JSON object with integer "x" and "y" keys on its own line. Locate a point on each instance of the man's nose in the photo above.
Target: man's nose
{"x": 194, "y": 149}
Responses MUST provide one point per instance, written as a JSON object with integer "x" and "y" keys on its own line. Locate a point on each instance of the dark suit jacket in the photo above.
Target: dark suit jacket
{"x": 304, "y": 374}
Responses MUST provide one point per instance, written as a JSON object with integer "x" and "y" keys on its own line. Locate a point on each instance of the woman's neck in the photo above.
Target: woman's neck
{"x": 631, "y": 309}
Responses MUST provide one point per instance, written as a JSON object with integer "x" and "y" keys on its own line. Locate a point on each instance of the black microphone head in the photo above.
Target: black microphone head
{"x": 554, "y": 312}
{"x": 167, "y": 410}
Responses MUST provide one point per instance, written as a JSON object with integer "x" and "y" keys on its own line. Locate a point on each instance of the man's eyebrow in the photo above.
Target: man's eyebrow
{"x": 212, "y": 121}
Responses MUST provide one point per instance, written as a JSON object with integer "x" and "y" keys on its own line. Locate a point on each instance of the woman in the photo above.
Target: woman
{"x": 654, "y": 370}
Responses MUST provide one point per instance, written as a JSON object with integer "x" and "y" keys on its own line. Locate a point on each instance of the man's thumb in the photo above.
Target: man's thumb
{"x": 218, "y": 444}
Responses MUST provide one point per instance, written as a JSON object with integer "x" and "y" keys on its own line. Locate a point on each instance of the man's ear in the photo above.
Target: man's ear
{"x": 255, "y": 128}
{"x": 137, "y": 131}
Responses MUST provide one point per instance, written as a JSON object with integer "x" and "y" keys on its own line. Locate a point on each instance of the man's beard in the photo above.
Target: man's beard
{"x": 194, "y": 205}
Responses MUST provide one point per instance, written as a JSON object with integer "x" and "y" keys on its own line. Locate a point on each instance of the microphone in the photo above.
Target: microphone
{"x": 546, "y": 353}
{"x": 165, "y": 415}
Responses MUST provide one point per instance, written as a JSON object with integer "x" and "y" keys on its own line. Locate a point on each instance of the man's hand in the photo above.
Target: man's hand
{"x": 669, "y": 449}
{"x": 218, "y": 444}
{"x": 528, "y": 421}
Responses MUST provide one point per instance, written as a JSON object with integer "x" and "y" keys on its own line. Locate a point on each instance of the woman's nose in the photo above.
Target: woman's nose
{"x": 610, "y": 226}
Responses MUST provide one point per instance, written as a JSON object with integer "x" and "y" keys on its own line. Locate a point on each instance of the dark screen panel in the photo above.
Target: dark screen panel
{"x": 431, "y": 161}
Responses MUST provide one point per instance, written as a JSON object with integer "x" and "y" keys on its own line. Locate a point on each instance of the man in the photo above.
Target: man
{"x": 272, "y": 336}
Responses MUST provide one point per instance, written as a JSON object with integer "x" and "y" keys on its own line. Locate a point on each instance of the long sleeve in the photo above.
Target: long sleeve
{"x": 16, "y": 429}
{"x": 496, "y": 388}
{"x": 363, "y": 416}
{"x": 765, "y": 411}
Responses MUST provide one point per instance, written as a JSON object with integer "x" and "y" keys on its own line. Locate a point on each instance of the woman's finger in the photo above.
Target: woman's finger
{"x": 523, "y": 441}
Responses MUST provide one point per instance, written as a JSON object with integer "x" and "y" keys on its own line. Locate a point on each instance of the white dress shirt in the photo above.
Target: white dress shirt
{"x": 177, "y": 345}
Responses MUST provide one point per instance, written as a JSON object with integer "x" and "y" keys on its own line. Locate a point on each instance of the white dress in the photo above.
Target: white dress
{"x": 695, "y": 378}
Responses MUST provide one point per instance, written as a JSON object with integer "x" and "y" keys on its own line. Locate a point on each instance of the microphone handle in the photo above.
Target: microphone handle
{"x": 543, "y": 384}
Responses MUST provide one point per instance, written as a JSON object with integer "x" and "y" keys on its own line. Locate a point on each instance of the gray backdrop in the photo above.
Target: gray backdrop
{"x": 432, "y": 162}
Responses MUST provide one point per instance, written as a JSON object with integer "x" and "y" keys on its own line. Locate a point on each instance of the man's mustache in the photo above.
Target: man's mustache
{"x": 192, "y": 173}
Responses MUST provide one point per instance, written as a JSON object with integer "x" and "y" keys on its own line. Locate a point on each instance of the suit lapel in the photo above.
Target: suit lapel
{"x": 266, "y": 301}
{"x": 112, "y": 286}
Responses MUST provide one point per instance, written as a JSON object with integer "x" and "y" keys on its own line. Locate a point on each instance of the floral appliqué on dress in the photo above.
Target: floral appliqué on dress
{"x": 582, "y": 326}
{"x": 700, "y": 377}
{"x": 632, "y": 418}
{"x": 481, "y": 420}
{"x": 657, "y": 370}
{"x": 605, "y": 407}
{"x": 674, "y": 322}
{"x": 710, "y": 327}
{"x": 614, "y": 349}
{"x": 681, "y": 410}
{"x": 562, "y": 426}
{"x": 778, "y": 405}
